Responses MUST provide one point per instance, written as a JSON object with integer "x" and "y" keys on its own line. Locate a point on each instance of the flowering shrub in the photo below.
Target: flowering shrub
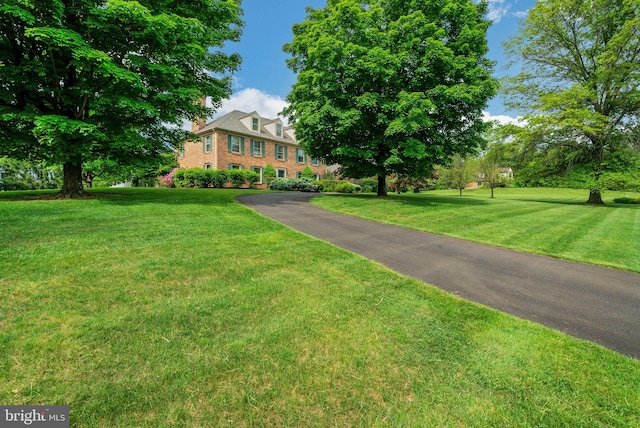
{"x": 298, "y": 184}
{"x": 167, "y": 180}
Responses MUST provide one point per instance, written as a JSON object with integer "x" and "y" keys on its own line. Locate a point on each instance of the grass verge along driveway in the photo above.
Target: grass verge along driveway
{"x": 169, "y": 307}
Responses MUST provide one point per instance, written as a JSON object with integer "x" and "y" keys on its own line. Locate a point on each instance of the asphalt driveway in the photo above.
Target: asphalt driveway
{"x": 589, "y": 302}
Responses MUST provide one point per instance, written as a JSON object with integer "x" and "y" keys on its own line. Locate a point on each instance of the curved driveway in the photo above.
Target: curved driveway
{"x": 589, "y": 302}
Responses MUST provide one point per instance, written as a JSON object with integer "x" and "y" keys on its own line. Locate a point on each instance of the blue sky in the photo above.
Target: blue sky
{"x": 264, "y": 79}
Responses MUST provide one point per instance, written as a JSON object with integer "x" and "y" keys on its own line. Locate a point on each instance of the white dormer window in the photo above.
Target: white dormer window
{"x": 278, "y": 130}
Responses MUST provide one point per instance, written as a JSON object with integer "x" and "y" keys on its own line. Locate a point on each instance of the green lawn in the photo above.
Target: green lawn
{"x": 168, "y": 307}
{"x": 553, "y": 222}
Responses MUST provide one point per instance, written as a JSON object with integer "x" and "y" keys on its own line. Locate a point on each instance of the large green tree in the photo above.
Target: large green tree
{"x": 82, "y": 80}
{"x": 580, "y": 81}
{"x": 390, "y": 86}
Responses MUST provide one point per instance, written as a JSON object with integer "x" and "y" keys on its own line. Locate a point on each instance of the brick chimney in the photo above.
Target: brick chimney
{"x": 200, "y": 123}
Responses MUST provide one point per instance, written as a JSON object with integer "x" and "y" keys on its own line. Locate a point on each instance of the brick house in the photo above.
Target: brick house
{"x": 247, "y": 141}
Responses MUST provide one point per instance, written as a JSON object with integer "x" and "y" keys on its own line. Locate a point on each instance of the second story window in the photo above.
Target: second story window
{"x": 208, "y": 143}
{"x": 257, "y": 148}
{"x": 300, "y": 157}
{"x": 281, "y": 152}
{"x": 236, "y": 144}
{"x": 181, "y": 151}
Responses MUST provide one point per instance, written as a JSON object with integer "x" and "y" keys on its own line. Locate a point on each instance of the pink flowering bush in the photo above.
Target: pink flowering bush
{"x": 167, "y": 180}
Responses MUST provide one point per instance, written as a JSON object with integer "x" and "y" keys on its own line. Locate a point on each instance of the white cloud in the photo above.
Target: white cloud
{"x": 251, "y": 99}
{"x": 521, "y": 14}
{"x": 497, "y": 10}
{"x": 502, "y": 119}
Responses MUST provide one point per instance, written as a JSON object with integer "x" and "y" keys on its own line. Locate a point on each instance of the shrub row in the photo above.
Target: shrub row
{"x": 295, "y": 184}
{"x": 626, "y": 200}
{"x": 616, "y": 181}
{"x": 198, "y": 177}
{"x": 346, "y": 187}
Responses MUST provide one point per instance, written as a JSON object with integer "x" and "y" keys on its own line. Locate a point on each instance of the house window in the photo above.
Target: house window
{"x": 300, "y": 158}
{"x": 315, "y": 161}
{"x": 278, "y": 130}
{"x": 318, "y": 177}
{"x": 298, "y": 174}
{"x": 236, "y": 144}
{"x": 208, "y": 166}
{"x": 257, "y": 148}
{"x": 207, "y": 143}
{"x": 258, "y": 171}
{"x": 181, "y": 150}
{"x": 235, "y": 166}
{"x": 282, "y": 173}
{"x": 281, "y": 152}
{"x": 255, "y": 123}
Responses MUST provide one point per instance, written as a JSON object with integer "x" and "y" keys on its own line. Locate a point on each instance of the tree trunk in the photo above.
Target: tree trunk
{"x": 492, "y": 191}
{"x": 382, "y": 185}
{"x": 72, "y": 181}
{"x": 460, "y": 189}
{"x": 595, "y": 197}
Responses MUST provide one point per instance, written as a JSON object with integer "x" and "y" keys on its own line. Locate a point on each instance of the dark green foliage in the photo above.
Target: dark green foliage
{"x": 329, "y": 185}
{"x": 621, "y": 181}
{"x": 307, "y": 172}
{"x": 294, "y": 184}
{"x": 85, "y": 81}
{"x": 269, "y": 174}
{"x": 186, "y": 177}
{"x": 345, "y": 187}
{"x": 179, "y": 178}
{"x": 25, "y": 175}
{"x": 579, "y": 87}
{"x": 201, "y": 178}
{"x": 236, "y": 177}
{"x": 198, "y": 177}
{"x": 218, "y": 178}
{"x": 580, "y": 177}
{"x": 626, "y": 200}
{"x": 252, "y": 178}
{"x": 390, "y": 87}
{"x": 369, "y": 186}
{"x": 106, "y": 172}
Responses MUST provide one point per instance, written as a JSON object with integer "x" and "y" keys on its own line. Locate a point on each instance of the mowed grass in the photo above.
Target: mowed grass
{"x": 552, "y": 222}
{"x": 167, "y": 307}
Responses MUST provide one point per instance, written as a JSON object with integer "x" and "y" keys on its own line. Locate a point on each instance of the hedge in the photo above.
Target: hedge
{"x": 294, "y": 184}
{"x": 198, "y": 177}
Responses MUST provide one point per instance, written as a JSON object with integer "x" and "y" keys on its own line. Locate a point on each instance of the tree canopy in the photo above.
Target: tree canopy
{"x": 579, "y": 83}
{"x": 88, "y": 80}
{"x": 389, "y": 86}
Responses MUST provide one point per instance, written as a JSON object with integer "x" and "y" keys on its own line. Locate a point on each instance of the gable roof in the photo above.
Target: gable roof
{"x": 232, "y": 123}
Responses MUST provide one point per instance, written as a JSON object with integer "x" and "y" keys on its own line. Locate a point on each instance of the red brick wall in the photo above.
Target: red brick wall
{"x": 194, "y": 156}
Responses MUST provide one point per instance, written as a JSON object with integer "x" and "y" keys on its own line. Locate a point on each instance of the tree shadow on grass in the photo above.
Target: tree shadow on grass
{"x": 419, "y": 201}
{"x": 210, "y": 197}
{"x": 136, "y": 196}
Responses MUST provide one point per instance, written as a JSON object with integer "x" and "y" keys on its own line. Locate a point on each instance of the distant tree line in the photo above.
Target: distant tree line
{"x": 18, "y": 174}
